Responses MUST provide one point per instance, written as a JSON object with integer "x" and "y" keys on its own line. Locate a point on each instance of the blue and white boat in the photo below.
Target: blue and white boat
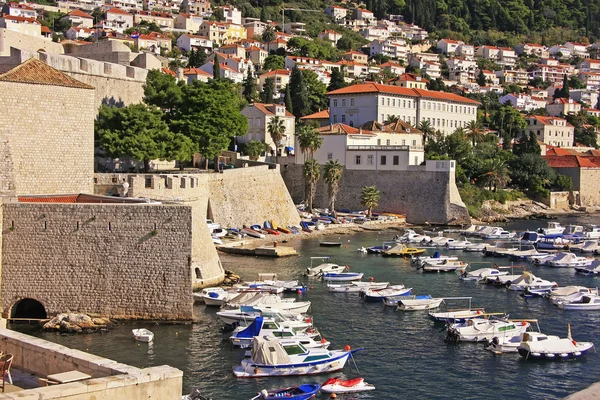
{"x": 300, "y": 392}
{"x": 243, "y": 337}
{"x": 342, "y": 276}
{"x": 553, "y": 242}
{"x": 273, "y": 357}
{"x": 530, "y": 237}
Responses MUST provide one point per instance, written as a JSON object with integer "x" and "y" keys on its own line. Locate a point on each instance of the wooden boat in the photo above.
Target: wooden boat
{"x": 273, "y": 357}
{"x": 337, "y": 385}
{"x": 320, "y": 269}
{"x": 142, "y": 335}
{"x": 457, "y": 316}
{"x": 371, "y": 295}
{"x": 271, "y": 231}
{"x": 284, "y": 230}
{"x": 330, "y": 244}
{"x": 299, "y": 392}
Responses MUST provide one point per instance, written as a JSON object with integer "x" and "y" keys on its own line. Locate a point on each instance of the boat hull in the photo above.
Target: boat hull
{"x": 250, "y": 370}
{"x": 555, "y": 356}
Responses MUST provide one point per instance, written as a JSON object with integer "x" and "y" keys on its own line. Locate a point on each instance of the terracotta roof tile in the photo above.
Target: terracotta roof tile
{"x": 168, "y": 71}
{"x": 196, "y": 71}
{"x": 81, "y": 14}
{"x": 342, "y": 129}
{"x": 266, "y": 109}
{"x": 35, "y": 72}
{"x": 116, "y": 10}
{"x": 324, "y": 114}
{"x": 53, "y": 199}
{"x": 278, "y": 72}
{"x": 21, "y": 19}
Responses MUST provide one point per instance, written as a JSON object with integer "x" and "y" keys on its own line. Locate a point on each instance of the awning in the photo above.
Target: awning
{"x": 289, "y": 148}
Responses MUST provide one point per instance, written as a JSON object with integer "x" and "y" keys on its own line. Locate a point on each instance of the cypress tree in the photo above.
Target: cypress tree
{"x": 337, "y": 80}
{"x": 299, "y": 93}
{"x": 288, "y": 99}
{"x": 216, "y": 68}
{"x": 268, "y": 91}
{"x": 250, "y": 92}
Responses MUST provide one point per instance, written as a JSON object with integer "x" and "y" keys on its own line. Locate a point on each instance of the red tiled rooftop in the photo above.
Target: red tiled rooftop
{"x": 81, "y": 14}
{"x": 342, "y": 129}
{"x": 33, "y": 71}
{"x": 323, "y": 114}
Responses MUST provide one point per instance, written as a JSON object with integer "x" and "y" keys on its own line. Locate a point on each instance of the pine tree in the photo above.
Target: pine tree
{"x": 250, "y": 92}
{"x": 288, "y": 99}
{"x": 299, "y": 92}
{"x": 481, "y": 78}
{"x": 263, "y": 14}
{"x": 337, "y": 80}
{"x": 565, "y": 88}
{"x": 268, "y": 91}
{"x": 216, "y": 68}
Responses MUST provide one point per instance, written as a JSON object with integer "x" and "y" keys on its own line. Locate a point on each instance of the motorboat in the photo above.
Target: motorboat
{"x": 480, "y": 330}
{"x": 445, "y": 266}
{"x": 593, "y": 269}
{"x": 320, "y": 269}
{"x": 569, "y": 260}
{"x": 245, "y": 315}
{"x": 458, "y": 245}
{"x": 401, "y": 250}
{"x": 573, "y": 230}
{"x": 585, "y": 302}
{"x": 243, "y": 337}
{"x": 421, "y": 302}
{"x": 501, "y": 249}
{"x": 436, "y": 258}
{"x": 511, "y": 344}
{"x": 484, "y": 230}
{"x": 499, "y": 233}
{"x": 373, "y": 295}
{"x": 440, "y": 241}
{"x": 330, "y": 244}
{"x": 273, "y": 357}
{"x": 454, "y": 316}
{"x": 337, "y": 385}
{"x": 553, "y": 348}
{"x": 553, "y": 242}
{"x": 553, "y": 228}
{"x": 526, "y": 254}
{"x": 216, "y": 296}
{"x": 568, "y": 294}
{"x": 356, "y": 287}
{"x": 481, "y": 274}
{"x": 475, "y": 248}
{"x": 342, "y": 276}
{"x": 589, "y": 246}
{"x": 530, "y": 281}
{"x": 142, "y": 335}
{"x": 378, "y": 249}
{"x": 410, "y": 236}
{"x": 591, "y": 232}
{"x": 267, "y": 301}
{"x": 529, "y": 237}
{"x": 300, "y": 392}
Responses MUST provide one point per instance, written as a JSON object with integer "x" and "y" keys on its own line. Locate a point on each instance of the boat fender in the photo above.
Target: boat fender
{"x": 308, "y": 320}
{"x": 323, "y": 341}
{"x": 523, "y": 323}
{"x": 478, "y": 312}
{"x": 347, "y": 267}
{"x": 496, "y": 341}
{"x": 264, "y": 393}
{"x": 574, "y": 342}
{"x": 461, "y": 263}
{"x": 347, "y": 347}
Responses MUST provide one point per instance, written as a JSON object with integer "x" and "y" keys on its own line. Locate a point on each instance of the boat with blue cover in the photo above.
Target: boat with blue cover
{"x": 300, "y": 392}
{"x": 243, "y": 337}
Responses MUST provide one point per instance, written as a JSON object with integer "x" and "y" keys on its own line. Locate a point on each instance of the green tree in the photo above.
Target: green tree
{"x": 210, "y": 115}
{"x": 161, "y": 90}
{"x": 527, "y": 144}
{"x": 276, "y": 129}
{"x": 564, "y": 92}
{"x": 268, "y": 92}
{"x": 333, "y": 176}
{"x": 509, "y": 122}
{"x": 495, "y": 173}
{"x": 312, "y": 173}
{"x": 474, "y": 131}
{"x": 369, "y": 197}
{"x": 337, "y": 80}
{"x": 309, "y": 140}
{"x": 317, "y": 100}
{"x": 392, "y": 118}
{"x": 425, "y": 127}
{"x": 250, "y": 92}
{"x": 288, "y": 99}
{"x": 586, "y": 136}
{"x": 299, "y": 91}
{"x": 268, "y": 34}
{"x": 254, "y": 148}
{"x": 481, "y": 78}
{"x": 216, "y": 68}
{"x": 273, "y": 62}
{"x": 139, "y": 131}
{"x": 218, "y": 15}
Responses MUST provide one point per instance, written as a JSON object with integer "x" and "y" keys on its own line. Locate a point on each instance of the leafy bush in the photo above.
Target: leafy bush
{"x": 474, "y": 196}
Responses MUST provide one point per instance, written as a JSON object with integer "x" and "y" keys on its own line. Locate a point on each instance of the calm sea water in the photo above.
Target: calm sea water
{"x": 405, "y": 354}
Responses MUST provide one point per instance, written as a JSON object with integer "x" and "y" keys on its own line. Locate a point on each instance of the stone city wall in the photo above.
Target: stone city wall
{"x": 589, "y": 190}
{"x": 115, "y": 260}
{"x": 424, "y": 196}
{"x": 29, "y": 43}
{"x": 61, "y": 161}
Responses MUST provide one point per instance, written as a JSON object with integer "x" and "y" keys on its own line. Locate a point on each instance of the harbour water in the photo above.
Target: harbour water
{"x": 405, "y": 354}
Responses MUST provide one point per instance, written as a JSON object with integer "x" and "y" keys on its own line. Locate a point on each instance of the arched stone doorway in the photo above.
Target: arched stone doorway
{"x": 28, "y": 308}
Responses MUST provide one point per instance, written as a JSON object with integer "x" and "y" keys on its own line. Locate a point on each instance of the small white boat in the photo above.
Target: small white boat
{"x": 589, "y": 246}
{"x": 416, "y": 303}
{"x": 458, "y": 245}
{"x": 356, "y": 287}
{"x": 142, "y": 335}
{"x": 446, "y": 266}
{"x": 320, "y": 269}
{"x": 337, "y": 385}
{"x": 482, "y": 274}
{"x": 372, "y": 295}
{"x": 593, "y": 269}
{"x": 591, "y": 232}
{"x": 267, "y": 302}
{"x": 511, "y": 344}
{"x": 273, "y": 357}
{"x": 253, "y": 233}
{"x": 243, "y": 337}
{"x": 569, "y": 260}
{"x": 475, "y": 247}
{"x": 457, "y": 316}
{"x": 569, "y": 294}
{"x": 441, "y": 241}
{"x": 480, "y": 330}
{"x": 216, "y": 296}
{"x": 435, "y": 259}
{"x": 586, "y": 302}
{"x": 342, "y": 276}
{"x": 553, "y": 228}
{"x": 553, "y": 348}
{"x": 526, "y": 254}
{"x": 499, "y": 233}
{"x": 531, "y": 282}
{"x": 245, "y": 316}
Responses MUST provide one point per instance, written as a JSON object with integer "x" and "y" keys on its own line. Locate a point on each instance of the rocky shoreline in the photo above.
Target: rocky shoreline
{"x": 493, "y": 211}
{"x": 78, "y": 323}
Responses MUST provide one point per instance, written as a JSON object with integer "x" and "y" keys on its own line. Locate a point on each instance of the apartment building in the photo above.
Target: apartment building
{"x": 551, "y": 130}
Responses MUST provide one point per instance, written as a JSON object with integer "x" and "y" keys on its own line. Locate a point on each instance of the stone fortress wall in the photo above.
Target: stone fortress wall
{"x": 123, "y": 261}
{"x": 422, "y": 193}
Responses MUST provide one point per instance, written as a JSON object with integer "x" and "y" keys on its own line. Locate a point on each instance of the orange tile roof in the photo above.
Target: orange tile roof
{"x": 323, "y": 114}
{"x": 572, "y": 161}
{"x": 53, "y": 199}
{"x": 391, "y": 89}
{"x": 35, "y": 72}
{"x": 168, "y": 71}
{"x": 278, "y": 72}
{"x": 116, "y": 10}
{"x": 22, "y": 6}
{"x": 547, "y": 120}
{"x": 342, "y": 129}
{"x": 20, "y": 19}
{"x": 195, "y": 71}
{"x": 45, "y": 29}
{"x": 81, "y": 14}
{"x": 265, "y": 108}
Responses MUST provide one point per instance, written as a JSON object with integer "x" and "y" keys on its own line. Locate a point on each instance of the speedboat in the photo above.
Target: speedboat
{"x": 342, "y": 276}
{"x": 458, "y": 245}
{"x": 372, "y": 295}
{"x": 553, "y": 228}
{"x": 567, "y": 260}
{"x": 415, "y": 303}
{"x": 586, "y": 302}
{"x": 568, "y": 294}
{"x": 479, "y": 330}
{"x": 511, "y": 344}
{"x": 337, "y": 385}
{"x": 445, "y": 266}
{"x": 142, "y": 335}
{"x": 499, "y": 233}
{"x": 356, "y": 287}
{"x": 322, "y": 268}
{"x": 482, "y": 274}
{"x": 553, "y": 348}
{"x": 267, "y": 301}
{"x": 245, "y": 315}
{"x": 530, "y": 281}
{"x": 216, "y": 296}
{"x": 475, "y": 247}
{"x": 593, "y": 269}
{"x": 553, "y": 242}
{"x": 300, "y": 392}
{"x": 457, "y": 316}
{"x": 436, "y": 258}
{"x": 411, "y": 236}
{"x": 591, "y": 232}
{"x": 525, "y": 254}
{"x": 589, "y": 246}
{"x": 440, "y": 241}
{"x": 243, "y": 337}
{"x": 378, "y": 249}
{"x": 529, "y": 237}
{"x": 273, "y": 357}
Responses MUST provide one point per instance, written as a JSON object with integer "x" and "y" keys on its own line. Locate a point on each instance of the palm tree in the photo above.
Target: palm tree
{"x": 392, "y": 118}
{"x": 312, "y": 173}
{"x": 474, "y": 132}
{"x": 309, "y": 140}
{"x": 254, "y": 148}
{"x": 333, "y": 175}
{"x": 495, "y": 173}
{"x": 276, "y": 128}
{"x": 268, "y": 34}
{"x": 369, "y": 197}
{"x": 425, "y": 127}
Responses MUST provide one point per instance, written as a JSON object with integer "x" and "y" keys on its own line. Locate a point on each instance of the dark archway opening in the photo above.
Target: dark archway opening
{"x": 28, "y": 308}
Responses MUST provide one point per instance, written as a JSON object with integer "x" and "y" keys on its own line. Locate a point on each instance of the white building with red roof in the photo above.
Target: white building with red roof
{"x": 532, "y": 49}
{"x": 330, "y": 35}
{"x": 355, "y": 56}
{"x": 578, "y": 49}
{"x": 507, "y": 57}
{"x": 488, "y": 52}
{"x": 226, "y": 71}
{"x": 448, "y": 46}
{"x": 589, "y": 65}
{"x": 461, "y": 70}
{"x": 257, "y": 55}
{"x": 153, "y": 41}
{"x": 523, "y": 102}
{"x": 336, "y": 12}
{"x": 79, "y": 19}
{"x": 164, "y": 20}
{"x": 374, "y": 32}
{"x": 551, "y": 130}
{"x": 24, "y": 25}
{"x": 196, "y": 74}
{"x": 79, "y": 33}
{"x": 19, "y": 10}
{"x": 393, "y": 68}
{"x": 188, "y": 22}
{"x": 561, "y": 107}
{"x": 281, "y": 77}
{"x": 118, "y": 19}
{"x": 259, "y": 116}
{"x": 188, "y": 42}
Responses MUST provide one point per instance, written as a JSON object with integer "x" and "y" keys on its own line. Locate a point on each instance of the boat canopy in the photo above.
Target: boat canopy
{"x": 251, "y": 330}
{"x": 267, "y": 350}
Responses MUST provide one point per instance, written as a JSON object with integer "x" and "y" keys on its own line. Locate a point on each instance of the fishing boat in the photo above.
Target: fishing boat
{"x": 330, "y": 244}
{"x": 593, "y": 269}
{"x": 499, "y": 233}
{"x": 553, "y": 348}
{"x": 142, "y": 335}
{"x": 480, "y": 330}
{"x": 273, "y": 357}
{"x": 401, "y": 250}
{"x": 568, "y": 260}
{"x": 378, "y": 295}
{"x": 267, "y": 301}
{"x": 216, "y": 296}
{"x": 511, "y": 345}
{"x": 337, "y": 385}
{"x": 553, "y": 242}
{"x": 568, "y": 294}
{"x": 585, "y": 302}
{"x": 529, "y": 237}
{"x": 300, "y": 392}
{"x": 457, "y": 316}
{"x": 526, "y": 254}
{"x": 529, "y": 281}
{"x": 342, "y": 276}
{"x": 355, "y": 287}
{"x": 320, "y": 269}
{"x": 243, "y": 337}
{"x": 591, "y": 232}
{"x": 416, "y": 303}
{"x": 445, "y": 266}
